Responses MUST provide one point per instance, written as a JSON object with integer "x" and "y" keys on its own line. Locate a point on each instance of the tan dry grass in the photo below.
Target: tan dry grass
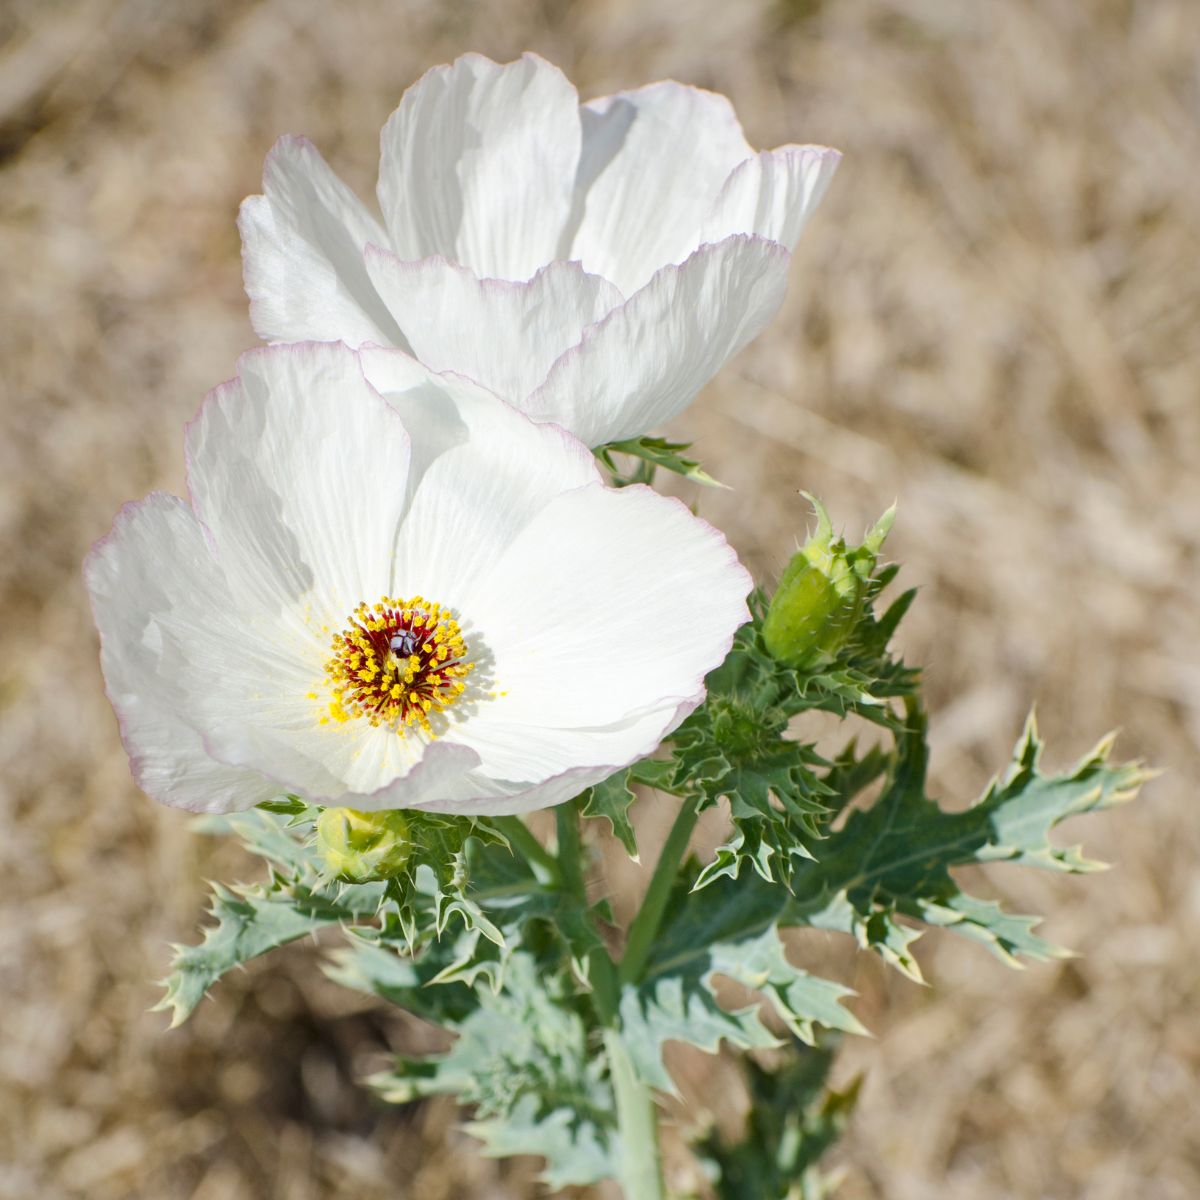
{"x": 993, "y": 319}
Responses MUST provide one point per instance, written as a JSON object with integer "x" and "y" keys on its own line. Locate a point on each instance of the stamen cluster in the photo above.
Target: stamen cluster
{"x": 397, "y": 663}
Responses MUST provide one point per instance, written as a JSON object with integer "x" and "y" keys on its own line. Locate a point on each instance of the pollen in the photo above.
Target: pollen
{"x": 397, "y": 663}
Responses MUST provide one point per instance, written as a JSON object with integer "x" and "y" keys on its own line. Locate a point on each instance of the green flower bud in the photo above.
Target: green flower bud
{"x": 821, "y": 593}
{"x": 362, "y": 846}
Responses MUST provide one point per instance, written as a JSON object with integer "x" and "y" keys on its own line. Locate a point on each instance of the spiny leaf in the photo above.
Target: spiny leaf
{"x": 286, "y": 844}
{"x": 611, "y": 800}
{"x": 524, "y": 1060}
{"x": 249, "y": 922}
{"x": 677, "y": 999}
{"x": 895, "y": 858}
{"x": 367, "y": 965}
{"x": 793, "y": 1119}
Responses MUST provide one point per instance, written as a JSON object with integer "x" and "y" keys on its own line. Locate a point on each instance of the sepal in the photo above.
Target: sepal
{"x": 650, "y": 453}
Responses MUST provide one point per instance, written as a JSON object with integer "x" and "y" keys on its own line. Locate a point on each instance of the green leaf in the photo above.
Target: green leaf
{"x": 611, "y": 800}
{"x": 738, "y": 747}
{"x": 371, "y": 966}
{"x": 894, "y": 859}
{"x": 430, "y": 902}
{"x": 656, "y": 452}
{"x": 286, "y": 844}
{"x": 287, "y": 806}
{"x": 676, "y": 1000}
{"x": 882, "y": 877}
{"x": 793, "y": 1119}
{"x": 523, "y": 1058}
{"x": 249, "y": 922}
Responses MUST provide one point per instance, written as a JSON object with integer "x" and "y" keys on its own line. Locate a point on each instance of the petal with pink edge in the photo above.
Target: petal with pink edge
{"x": 478, "y": 164}
{"x": 302, "y": 248}
{"x": 645, "y": 362}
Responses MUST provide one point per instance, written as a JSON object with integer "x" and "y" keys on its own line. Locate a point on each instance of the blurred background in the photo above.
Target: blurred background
{"x": 994, "y": 318}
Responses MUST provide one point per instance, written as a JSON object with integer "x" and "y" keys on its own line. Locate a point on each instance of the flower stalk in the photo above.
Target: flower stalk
{"x": 637, "y": 1122}
{"x": 649, "y": 917}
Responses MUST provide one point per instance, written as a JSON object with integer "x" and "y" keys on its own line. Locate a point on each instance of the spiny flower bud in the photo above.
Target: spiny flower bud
{"x": 362, "y": 846}
{"x": 821, "y": 593}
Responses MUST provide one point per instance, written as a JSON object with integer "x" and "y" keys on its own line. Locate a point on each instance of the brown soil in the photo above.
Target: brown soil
{"x": 993, "y": 319}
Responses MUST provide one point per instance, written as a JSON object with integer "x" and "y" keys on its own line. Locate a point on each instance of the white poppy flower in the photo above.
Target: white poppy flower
{"x": 399, "y": 595}
{"x": 593, "y": 265}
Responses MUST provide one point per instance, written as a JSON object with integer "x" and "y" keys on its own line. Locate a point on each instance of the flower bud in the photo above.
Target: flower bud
{"x": 821, "y": 593}
{"x": 362, "y": 846}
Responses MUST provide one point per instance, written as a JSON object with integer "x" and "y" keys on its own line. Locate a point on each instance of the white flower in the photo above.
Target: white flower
{"x": 594, "y": 266}
{"x": 399, "y": 595}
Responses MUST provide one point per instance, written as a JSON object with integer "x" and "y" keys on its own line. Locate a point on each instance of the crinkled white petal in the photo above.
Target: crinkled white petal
{"x": 351, "y": 765}
{"x": 608, "y": 603}
{"x": 484, "y": 472}
{"x": 218, "y": 702}
{"x": 302, "y": 254}
{"x": 772, "y": 194}
{"x": 168, "y": 625}
{"x": 646, "y": 360}
{"x": 653, "y": 162}
{"x": 606, "y": 750}
{"x": 594, "y": 614}
{"x": 503, "y": 334}
{"x": 298, "y": 468}
{"x": 478, "y": 165}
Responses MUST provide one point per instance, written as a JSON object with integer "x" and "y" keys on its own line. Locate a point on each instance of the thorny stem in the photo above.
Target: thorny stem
{"x": 602, "y": 973}
{"x": 637, "y": 1118}
{"x": 645, "y": 925}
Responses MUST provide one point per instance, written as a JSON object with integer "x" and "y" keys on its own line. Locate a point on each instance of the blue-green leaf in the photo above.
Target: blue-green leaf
{"x": 677, "y": 999}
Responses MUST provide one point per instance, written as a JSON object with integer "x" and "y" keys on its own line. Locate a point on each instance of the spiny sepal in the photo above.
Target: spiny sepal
{"x": 650, "y": 453}
{"x": 416, "y": 905}
{"x": 822, "y": 592}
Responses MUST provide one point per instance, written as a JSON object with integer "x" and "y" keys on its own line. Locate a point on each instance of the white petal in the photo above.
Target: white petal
{"x": 606, "y": 751}
{"x": 154, "y": 585}
{"x": 646, "y": 361}
{"x": 504, "y": 335}
{"x": 484, "y": 471}
{"x": 772, "y": 194}
{"x": 298, "y": 469}
{"x": 351, "y": 765}
{"x": 653, "y": 162}
{"x": 609, "y": 603}
{"x": 533, "y": 749}
{"x": 302, "y": 247}
{"x": 478, "y": 164}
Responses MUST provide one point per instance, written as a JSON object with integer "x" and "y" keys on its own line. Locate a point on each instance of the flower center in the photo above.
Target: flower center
{"x": 396, "y": 663}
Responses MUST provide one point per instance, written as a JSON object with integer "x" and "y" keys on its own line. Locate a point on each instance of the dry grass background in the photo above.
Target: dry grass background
{"x": 994, "y": 318}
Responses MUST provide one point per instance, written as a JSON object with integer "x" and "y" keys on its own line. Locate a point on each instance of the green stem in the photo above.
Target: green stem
{"x": 637, "y": 1120}
{"x": 602, "y": 971}
{"x": 570, "y": 849}
{"x": 637, "y": 1117}
{"x": 544, "y": 864}
{"x": 645, "y": 925}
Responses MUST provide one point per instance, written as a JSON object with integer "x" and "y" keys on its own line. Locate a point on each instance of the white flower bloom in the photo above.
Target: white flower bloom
{"x": 594, "y": 266}
{"x": 406, "y": 595}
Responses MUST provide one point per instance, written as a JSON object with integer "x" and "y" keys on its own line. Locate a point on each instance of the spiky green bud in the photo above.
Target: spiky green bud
{"x": 362, "y": 846}
{"x": 821, "y": 593}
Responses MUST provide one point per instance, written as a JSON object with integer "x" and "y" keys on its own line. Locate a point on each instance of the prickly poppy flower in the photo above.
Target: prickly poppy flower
{"x": 594, "y": 266}
{"x": 405, "y": 594}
